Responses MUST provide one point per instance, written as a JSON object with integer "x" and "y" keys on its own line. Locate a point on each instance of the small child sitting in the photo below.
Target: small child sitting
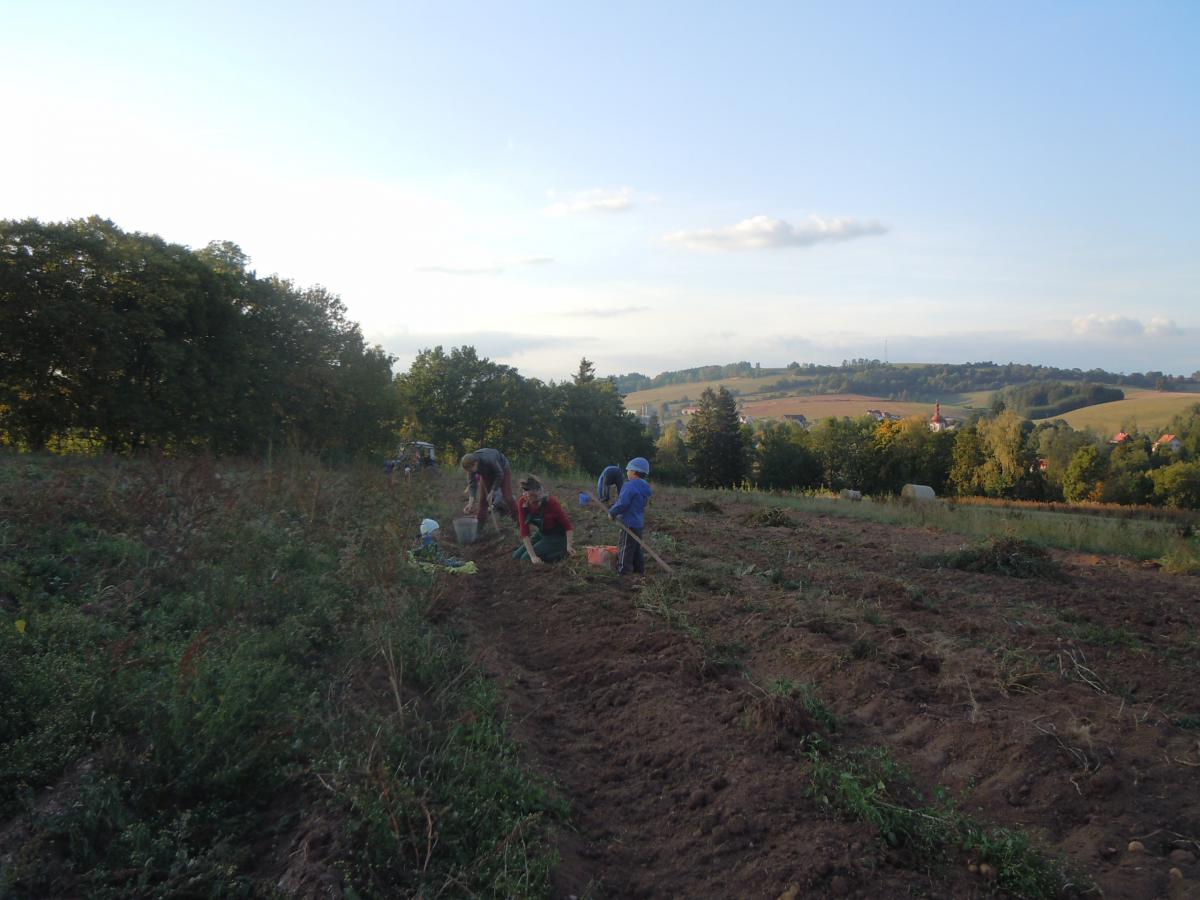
{"x": 428, "y": 550}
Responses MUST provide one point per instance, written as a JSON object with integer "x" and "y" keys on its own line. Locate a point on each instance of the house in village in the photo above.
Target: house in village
{"x": 1168, "y": 443}
{"x": 796, "y": 418}
{"x": 1121, "y": 437}
{"x": 882, "y": 415}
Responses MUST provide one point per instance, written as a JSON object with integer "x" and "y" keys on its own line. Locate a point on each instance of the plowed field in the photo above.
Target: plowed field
{"x": 668, "y": 708}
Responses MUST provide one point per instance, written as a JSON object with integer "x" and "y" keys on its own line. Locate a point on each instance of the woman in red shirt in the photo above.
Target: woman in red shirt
{"x": 555, "y": 531}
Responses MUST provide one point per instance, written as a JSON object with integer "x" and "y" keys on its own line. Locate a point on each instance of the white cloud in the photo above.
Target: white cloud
{"x": 597, "y": 200}
{"x": 1114, "y": 326}
{"x": 491, "y": 268}
{"x": 1160, "y": 327}
{"x": 764, "y": 232}
{"x": 603, "y": 313}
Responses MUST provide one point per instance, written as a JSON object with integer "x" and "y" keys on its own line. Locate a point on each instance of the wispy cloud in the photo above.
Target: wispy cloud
{"x": 1160, "y": 327}
{"x": 597, "y": 200}
{"x": 492, "y": 268}
{"x": 603, "y": 313}
{"x": 1114, "y": 326}
{"x": 764, "y": 232}
{"x": 492, "y": 344}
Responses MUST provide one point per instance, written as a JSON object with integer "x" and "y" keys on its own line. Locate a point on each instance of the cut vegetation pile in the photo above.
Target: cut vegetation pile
{"x": 1010, "y": 556}
{"x": 771, "y": 517}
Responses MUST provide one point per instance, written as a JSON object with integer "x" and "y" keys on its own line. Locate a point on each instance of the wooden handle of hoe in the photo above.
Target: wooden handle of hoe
{"x": 645, "y": 546}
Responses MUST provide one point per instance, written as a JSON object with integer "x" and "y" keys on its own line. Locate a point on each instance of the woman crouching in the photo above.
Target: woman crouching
{"x": 555, "y": 531}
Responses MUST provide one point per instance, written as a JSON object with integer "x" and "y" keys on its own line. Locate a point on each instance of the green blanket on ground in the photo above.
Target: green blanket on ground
{"x": 462, "y": 568}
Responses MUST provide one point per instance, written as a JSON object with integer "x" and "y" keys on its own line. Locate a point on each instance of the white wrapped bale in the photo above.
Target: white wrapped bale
{"x": 917, "y": 493}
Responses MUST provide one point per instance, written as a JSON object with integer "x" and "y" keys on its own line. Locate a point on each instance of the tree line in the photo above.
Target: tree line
{"x": 894, "y": 382}
{"x": 998, "y": 454}
{"x": 122, "y": 341}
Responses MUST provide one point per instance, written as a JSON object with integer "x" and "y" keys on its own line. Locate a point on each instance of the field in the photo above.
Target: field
{"x": 674, "y": 393}
{"x": 1149, "y": 411}
{"x": 783, "y": 710}
{"x": 243, "y": 686}
{"x": 822, "y": 406}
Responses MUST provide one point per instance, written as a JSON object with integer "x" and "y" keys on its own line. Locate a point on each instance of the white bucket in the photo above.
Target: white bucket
{"x": 466, "y": 529}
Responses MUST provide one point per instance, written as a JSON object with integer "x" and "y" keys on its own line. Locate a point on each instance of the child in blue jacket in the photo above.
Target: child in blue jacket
{"x": 630, "y": 511}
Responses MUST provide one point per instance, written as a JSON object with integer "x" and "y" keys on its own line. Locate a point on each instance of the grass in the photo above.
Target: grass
{"x": 201, "y": 659}
{"x": 869, "y": 785}
{"x": 1149, "y": 410}
{"x": 666, "y": 596}
{"x": 1000, "y": 556}
{"x": 1135, "y": 538}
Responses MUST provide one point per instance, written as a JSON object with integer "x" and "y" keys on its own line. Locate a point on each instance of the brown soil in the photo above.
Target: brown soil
{"x": 1066, "y": 708}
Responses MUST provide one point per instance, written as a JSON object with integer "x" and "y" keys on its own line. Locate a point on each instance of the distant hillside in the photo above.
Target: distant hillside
{"x": 1047, "y": 399}
{"x": 924, "y": 382}
{"x": 1148, "y": 411}
{"x": 823, "y": 406}
{"x": 902, "y": 389}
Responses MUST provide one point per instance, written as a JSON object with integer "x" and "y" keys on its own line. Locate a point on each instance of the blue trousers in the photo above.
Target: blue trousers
{"x": 631, "y": 558}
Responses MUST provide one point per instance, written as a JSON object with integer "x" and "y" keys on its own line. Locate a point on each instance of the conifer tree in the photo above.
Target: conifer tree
{"x": 715, "y": 441}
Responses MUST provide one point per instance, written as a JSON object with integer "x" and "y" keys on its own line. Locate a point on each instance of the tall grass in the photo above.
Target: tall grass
{"x": 199, "y": 657}
{"x": 1134, "y": 538}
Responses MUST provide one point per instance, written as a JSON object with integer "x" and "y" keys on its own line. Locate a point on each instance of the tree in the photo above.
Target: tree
{"x": 1127, "y": 479}
{"x": 1178, "y": 485}
{"x": 908, "y": 452}
{"x": 785, "y": 459}
{"x": 1009, "y": 467}
{"x": 671, "y": 457}
{"x": 125, "y": 340}
{"x": 967, "y": 461}
{"x": 455, "y": 400}
{"x": 845, "y": 448}
{"x": 1057, "y": 442}
{"x": 1084, "y": 475}
{"x": 716, "y": 443}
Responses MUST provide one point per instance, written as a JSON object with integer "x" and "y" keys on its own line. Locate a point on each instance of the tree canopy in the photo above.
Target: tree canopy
{"x": 123, "y": 340}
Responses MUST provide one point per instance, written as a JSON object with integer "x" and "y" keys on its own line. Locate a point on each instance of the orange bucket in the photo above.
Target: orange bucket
{"x": 602, "y": 556}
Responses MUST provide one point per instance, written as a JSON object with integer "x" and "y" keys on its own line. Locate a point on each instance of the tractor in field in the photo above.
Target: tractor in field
{"x": 412, "y": 457}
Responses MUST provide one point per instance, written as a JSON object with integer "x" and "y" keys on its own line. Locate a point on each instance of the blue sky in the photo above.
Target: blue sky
{"x": 653, "y": 188}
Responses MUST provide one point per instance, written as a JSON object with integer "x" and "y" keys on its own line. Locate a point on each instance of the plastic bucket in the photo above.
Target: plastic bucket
{"x": 602, "y": 556}
{"x": 466, "y": 529}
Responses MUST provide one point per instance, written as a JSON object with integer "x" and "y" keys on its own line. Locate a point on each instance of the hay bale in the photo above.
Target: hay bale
{"x": 917, "y": 493}
{"x": 848, "y": 494}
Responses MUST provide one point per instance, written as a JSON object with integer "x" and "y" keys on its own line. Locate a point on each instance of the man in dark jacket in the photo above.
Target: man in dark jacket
{"x": 495, "y": 483}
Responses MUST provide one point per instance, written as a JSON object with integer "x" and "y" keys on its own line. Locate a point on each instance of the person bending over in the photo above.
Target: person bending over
{"x": 610, "y": 482}
{"x": 495, "y": 482}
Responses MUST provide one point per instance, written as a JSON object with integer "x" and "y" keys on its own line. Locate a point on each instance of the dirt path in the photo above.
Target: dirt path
{"x": 1058, "y": 708}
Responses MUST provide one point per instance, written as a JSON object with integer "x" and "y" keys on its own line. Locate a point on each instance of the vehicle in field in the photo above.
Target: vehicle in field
{"x": 412, "y": 456}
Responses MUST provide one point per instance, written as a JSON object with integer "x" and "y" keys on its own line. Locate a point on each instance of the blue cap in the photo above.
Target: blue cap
{"x": 638, "y": 464}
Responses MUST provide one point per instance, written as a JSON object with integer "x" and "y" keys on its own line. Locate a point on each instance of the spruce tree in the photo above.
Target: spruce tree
{"x": 715, "y": 441}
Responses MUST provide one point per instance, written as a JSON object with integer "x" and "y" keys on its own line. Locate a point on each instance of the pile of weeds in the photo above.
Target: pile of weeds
{"x": 1010, "y": 556}
{"x": 197, "y": 659}
{"x": 772, "y": 516}
{"x": 702, "y": 506}
{"x": 870, "y": 786}
{"x": 790, "y": 715}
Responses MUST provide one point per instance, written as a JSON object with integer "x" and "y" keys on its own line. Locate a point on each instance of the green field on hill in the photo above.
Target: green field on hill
{"x": 1146, "y": 410}
{"x": 675, "y": 393}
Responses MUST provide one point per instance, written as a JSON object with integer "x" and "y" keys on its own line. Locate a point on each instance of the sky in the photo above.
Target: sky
{"x": 653, "y": 186}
